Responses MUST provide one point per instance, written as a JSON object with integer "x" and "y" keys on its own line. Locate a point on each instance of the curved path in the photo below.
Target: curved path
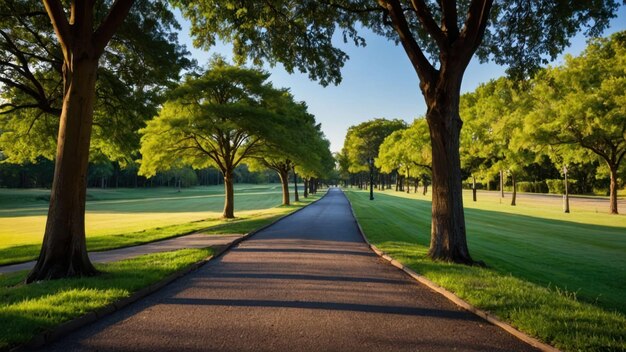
{"x": 307, "y": 283}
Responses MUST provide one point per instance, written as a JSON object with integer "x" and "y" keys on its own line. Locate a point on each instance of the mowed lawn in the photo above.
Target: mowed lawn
{"x": 582, "y": 252}
{"x": 124, "y": 210}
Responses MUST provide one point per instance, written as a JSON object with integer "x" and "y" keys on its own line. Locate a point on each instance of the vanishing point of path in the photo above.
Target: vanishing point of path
{"x": 307, "y": 283}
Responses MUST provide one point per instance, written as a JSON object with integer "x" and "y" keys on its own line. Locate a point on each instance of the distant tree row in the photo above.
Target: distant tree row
{"x": 567, "y": 119}
{"x": 107, "y": 174}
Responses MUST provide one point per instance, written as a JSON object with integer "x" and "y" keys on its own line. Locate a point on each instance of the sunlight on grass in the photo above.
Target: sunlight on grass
{"x": 23, "y": 212}
{"x": 245, "y": 222}
{"x": 26, "y": 310}
{"x": 531, "y": 259}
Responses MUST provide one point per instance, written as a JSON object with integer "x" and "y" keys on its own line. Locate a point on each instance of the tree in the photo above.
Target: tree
{"x": 299, "y": 35}
{"x": 407, "y": 150}
{"x": 219, "y": 118}
{"x": 64, "y": 251}
{"x": 493, "y": 140}
{"x": 582, "y": 106}
{"x": 295, "y": 148}
{"x": 141, "y": 59}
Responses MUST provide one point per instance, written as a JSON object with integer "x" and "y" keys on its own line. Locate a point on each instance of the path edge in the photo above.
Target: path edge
{"x": 493, "y": 319}
{"x": 50, "y": 335}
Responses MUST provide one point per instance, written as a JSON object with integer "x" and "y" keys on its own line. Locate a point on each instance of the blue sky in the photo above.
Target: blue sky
{"x": 378, "y": 81}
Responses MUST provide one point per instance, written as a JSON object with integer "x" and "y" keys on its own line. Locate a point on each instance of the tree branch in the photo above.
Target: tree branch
{"x": 424, "y": 69}
{"x": 428, "y": 22}
{"x": 449, "y": 20}
{"x": 62, "y": 28}
{"x": 476, "y": 23}
{"x": 111, "y": 23}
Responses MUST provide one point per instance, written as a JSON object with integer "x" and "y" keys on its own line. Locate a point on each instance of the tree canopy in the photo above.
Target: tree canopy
{"x": 142, "y": 60}
{"x": 581, "y": 107}
{"x": 219, "y": 118}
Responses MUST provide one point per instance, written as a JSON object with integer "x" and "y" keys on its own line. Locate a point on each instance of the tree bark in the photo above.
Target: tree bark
{"x": 229, "y": 196}
{"x": 613, "y": 190}
{"x": 448, "y": 236}
{"x": 514, "y": 196}
{"x": 306, "y": 188}
{"x": 284, "y": 182}
{"x": 295, "y": 186}
{"x": 64, "y": 250}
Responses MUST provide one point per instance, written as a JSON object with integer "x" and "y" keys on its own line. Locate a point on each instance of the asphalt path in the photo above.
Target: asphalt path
{"x": 196, "y": 240}
{"x": 307, "y": 283}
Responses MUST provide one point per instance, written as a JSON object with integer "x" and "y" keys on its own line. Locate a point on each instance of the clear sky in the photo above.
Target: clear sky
{"x": 378, "y": 81}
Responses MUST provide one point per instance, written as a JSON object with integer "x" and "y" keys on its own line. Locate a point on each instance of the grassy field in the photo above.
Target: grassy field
{"x": 560, "y": 277}
{"x": 27, "y": 310}
{"x": 114, "y": 211}
{"x": 124, "y": 217}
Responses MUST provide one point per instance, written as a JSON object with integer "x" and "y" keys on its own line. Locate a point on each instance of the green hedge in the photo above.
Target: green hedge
{"x": 533, "y": 187}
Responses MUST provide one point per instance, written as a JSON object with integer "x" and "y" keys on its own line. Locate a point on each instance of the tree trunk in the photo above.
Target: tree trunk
{"x": 474, "y": 188}
{"x": 295, "y": 186}
{"x": 613, "y": 190}
{"x": 514, "y": 196}
{"x": 406, "y": 182}
{"x": 306, "y": 189}
{"x": 229, "y": 196}
{"x": 64, "y": 251}
{"x": 425, "y": 188}
{"x": 284, "y": 182}
{"x": 566, "y": 194}
{"x": 501, "y": 184}
{"x": 448, "y": 236}
{"x": 397, "y": 182}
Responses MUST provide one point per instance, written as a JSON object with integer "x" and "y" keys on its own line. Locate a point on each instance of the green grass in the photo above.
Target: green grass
{"x": 27, "y": 310}
{"x": 115, "y": 211}
{"x": 242, "y": 224}
{"x": 561, "y": 281}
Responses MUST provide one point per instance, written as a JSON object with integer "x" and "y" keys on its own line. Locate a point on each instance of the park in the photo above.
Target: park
{"x": 238, "y": 176}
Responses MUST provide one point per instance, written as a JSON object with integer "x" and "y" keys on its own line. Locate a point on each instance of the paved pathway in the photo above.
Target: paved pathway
{"x": 308, "y": 283}
{"x": 196, "y": 240}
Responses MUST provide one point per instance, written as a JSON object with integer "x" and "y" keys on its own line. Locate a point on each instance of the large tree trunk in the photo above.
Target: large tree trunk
{"x": 448, "y": 235}
{"x": 229, "y": 196}
{"x": 613, "y": 190}
{"x": 64, "y": 251}
{"x": 284, "y": 182}
{"x": 295, "y": 186}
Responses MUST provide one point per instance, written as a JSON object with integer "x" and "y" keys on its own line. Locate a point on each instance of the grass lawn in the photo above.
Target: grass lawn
{"x": 559, "y": 277}
{"x": 125, "y": 217}
{"x": 27, "y": 310}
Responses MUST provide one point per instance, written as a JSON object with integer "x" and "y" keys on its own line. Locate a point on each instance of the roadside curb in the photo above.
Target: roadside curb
{"x": 67, "y": 327}
{"x": 451, "y": 296}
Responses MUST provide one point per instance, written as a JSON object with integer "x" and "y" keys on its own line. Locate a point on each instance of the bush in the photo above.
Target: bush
{"x": 533, "y": 187}
{"x": 557, "y": 186}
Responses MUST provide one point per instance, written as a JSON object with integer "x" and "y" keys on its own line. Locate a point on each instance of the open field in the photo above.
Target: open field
{"x": 115, "y": 211}
{"x": 563, "y": 281}
{"x": 127, "y": 217}
{"x": 582, "y": 252}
